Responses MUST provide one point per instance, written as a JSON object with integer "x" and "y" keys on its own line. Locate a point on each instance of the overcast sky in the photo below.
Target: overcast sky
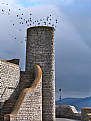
{"x": 72, "y": 39}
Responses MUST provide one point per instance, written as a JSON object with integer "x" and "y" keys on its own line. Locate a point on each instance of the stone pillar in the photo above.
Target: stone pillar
{"x": 40, "y": 50}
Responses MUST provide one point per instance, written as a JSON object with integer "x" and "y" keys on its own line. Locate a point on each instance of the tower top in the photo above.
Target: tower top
{"x": 42, "y": 27}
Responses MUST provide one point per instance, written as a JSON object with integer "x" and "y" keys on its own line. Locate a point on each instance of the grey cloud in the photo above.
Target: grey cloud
{"x": 79, "y": 15}
{"x": 73, "y": 58}
{"x": 72, "y": 44}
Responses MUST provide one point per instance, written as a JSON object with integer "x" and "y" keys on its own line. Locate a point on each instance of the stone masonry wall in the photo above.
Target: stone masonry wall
{"x": 31, "y": 107}
{"x": 67, "y": 111}
{"x": 40, "y": 50}
{"x": 26, "y": 79}
{"x": 9, "y": 79}
{"x": 28, "y": 106}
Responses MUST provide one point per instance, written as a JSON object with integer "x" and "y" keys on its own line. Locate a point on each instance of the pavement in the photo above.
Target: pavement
{"x": 63, "y": 119}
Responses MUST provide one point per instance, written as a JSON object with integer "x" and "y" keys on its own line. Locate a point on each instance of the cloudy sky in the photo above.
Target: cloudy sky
{"x": 72, "y": 39}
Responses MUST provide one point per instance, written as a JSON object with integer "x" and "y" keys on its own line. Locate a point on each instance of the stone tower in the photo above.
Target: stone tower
{"x": 40, "y": 50}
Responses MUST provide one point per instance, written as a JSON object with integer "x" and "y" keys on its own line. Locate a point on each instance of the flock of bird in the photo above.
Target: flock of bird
{"x": 28, "y": 22}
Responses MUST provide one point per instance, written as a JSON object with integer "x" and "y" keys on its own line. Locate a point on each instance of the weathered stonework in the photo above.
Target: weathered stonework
{"x": 28, "y": 106}
{"x": 67, "y": 111}
{"x": 11, "y": 94}
{"x": 31, "y": 107}
{"x": 26, "y": 79}
{"x": 26, "y": 96}
{"x": 9, "y": 79}
{"x": 40, "y": 50}
{"x": 30, "y": 95}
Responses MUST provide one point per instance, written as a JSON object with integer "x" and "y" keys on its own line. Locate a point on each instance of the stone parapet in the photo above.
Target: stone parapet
{"x": 85, "y": 114}
{"x": 67, "y": 111}
{"x": 14, "y": 61}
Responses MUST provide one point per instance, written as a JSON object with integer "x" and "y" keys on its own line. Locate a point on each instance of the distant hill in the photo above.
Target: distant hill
{"x": 77, "y": 102}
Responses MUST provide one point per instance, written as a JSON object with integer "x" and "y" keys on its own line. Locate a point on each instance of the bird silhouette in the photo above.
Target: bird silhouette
{"x": 28, "y": 21}
{"x": 2, "y": 10}
{"x": 38, "y": 23}
{"x": 45, "y": 23}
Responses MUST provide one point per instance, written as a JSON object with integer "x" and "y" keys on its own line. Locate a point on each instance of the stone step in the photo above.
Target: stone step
{"x": 8, "y": 106}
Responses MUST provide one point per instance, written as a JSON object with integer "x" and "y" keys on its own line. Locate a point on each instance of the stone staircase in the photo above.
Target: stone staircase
{"x": 7, "y": 107}
{"x": 28, "y": 92}
{"x": 9, "y": 104}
